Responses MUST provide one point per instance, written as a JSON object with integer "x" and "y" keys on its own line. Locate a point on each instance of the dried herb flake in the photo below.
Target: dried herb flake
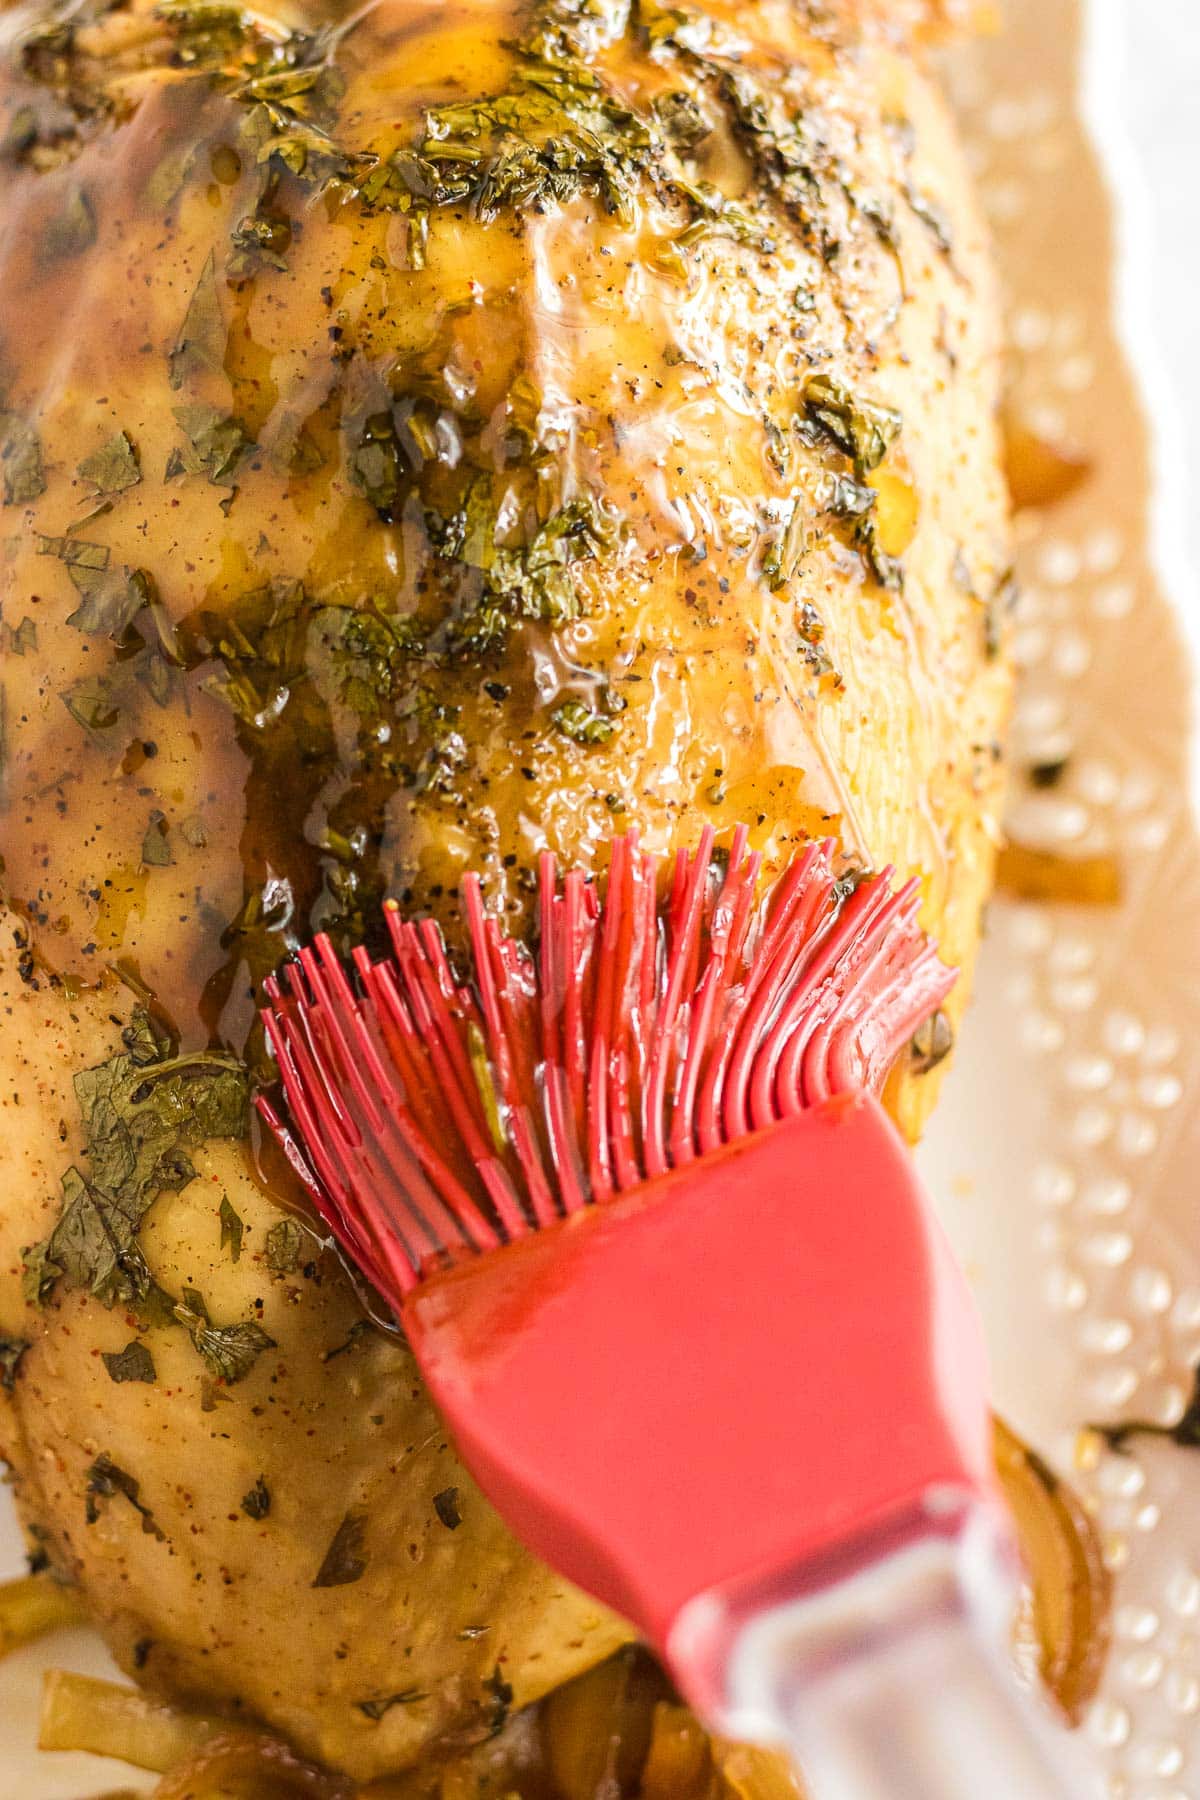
{"x": 230, "y": 1351}
{"x": 20, "y": 460}
{"x": 134, "y": 1363}
{"x": 217, "y": 442}
{"x": 142, "y": 1110}
{"x": 579, "y": 723}
{"x": 105, "y": 1481}
{"x": 345, "y": 1560}
{"x": 445, "y": 1505}
{"x": 257, "y": 1503}
{"x": 114, "y": 467}
{"x": 11, "y": 1352}
{"x": 861, "y": 428}
{"x": 375, "y": 1709}
{"x": 202, "y": 336}
{"x": 285, "y": 1247}
{"x": 156, "y": 845}
{"x": 85, "y": 563}
{"x": 231, "y": 1228}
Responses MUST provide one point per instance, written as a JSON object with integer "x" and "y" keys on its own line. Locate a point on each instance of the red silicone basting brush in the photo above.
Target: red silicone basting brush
{"x": 671, "y": 1280}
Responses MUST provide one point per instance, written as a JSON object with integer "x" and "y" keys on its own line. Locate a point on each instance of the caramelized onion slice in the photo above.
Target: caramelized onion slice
{"x": 34, "y": 1605}
{"x": 1029, "y": 873}
{"x": 1071, "y": 1590}
{"x": 253, "y": 1765}
{"x": 750, "y": 1772}
{"x": 1040, "y": 473}
{"x": 106, "y": 1719}
{"x": 598, "y": 1728}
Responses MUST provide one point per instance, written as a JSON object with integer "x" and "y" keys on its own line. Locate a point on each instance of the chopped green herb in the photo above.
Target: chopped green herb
{"x": 16, "y": 643}
{"x": 217, "y": 442}
{"x": 11, "y": 1352}
{"x": 860, "y": 428}
{"x": 145, "y": 1039}
{"x": 844, "y": 498}
{"x": 680, "y": 119}
{"x": 781, "y": 560}
{"x": 788, "y": 154}
{"x": 167, "y": 180}
{"x": 105, "y": 1481}
{"x": 295, "y": 449}
{"x": 345, "y": 1560}
{"x": 285, "y": 1247}
{"x": 114, "y": 467}
{"x": 205, "y": 30}
{"x": 91, "y": 703}
{"x": 378, "y": 465}
{"x": 230, "y": 1351}
{"x": 715, "y": 215}
{"x": 533, "y": 581}
{"x": 20, "y": 460}
{"x": 134, "y": 1363}
{"x": 259, "y": 241}
{"x": 257, "y": 1503}
{"x": 202, "y": 336}
{"x": 232, "y": 1229}
{"x": 38, "y": 1273}
{"x": 156, "y": 1308}
{"x": 142, "y": 1111}
{"x": 85, "y": 563}
{"x": 553, "y": 135}
{"x": 579, "y": 723}
{"x": 156, "y": 845}
{"x": 887, "y": 570}
{"x": 290, "y": 113}
{"x": 110, "y": 603}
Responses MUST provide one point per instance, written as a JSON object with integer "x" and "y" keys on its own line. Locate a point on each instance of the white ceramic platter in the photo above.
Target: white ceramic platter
{"x": 1065, "y": 1149}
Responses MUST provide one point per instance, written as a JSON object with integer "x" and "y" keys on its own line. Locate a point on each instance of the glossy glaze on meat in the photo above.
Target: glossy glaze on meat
{"x": 395, "y": 485}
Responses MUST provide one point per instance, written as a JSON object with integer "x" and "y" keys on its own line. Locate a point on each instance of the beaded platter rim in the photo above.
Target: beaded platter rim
{"x": 1064, "y": 1150}
{"x": 1071, "y": 1201}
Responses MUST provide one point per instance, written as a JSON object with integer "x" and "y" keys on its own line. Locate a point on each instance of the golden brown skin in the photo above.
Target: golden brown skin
{"x": 665, "y": 381}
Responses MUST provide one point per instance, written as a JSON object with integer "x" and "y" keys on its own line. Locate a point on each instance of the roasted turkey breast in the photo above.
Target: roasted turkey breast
{"x": 430, "y": 433}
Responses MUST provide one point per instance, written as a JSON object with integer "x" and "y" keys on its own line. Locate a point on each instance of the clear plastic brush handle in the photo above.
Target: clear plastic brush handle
{"x": 894, "y": 1683}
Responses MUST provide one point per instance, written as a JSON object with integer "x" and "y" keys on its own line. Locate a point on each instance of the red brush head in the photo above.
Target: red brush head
{"x": 434, "y": 1119}
{"x": 779, "y": 1296}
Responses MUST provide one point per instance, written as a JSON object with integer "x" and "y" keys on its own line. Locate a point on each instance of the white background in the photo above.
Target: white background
{"x": 1159, "y": 44}
{"x": 1142, "y": 95}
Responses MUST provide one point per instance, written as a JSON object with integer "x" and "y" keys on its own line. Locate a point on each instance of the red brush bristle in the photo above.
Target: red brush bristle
{"x": 431, "y": 1121}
